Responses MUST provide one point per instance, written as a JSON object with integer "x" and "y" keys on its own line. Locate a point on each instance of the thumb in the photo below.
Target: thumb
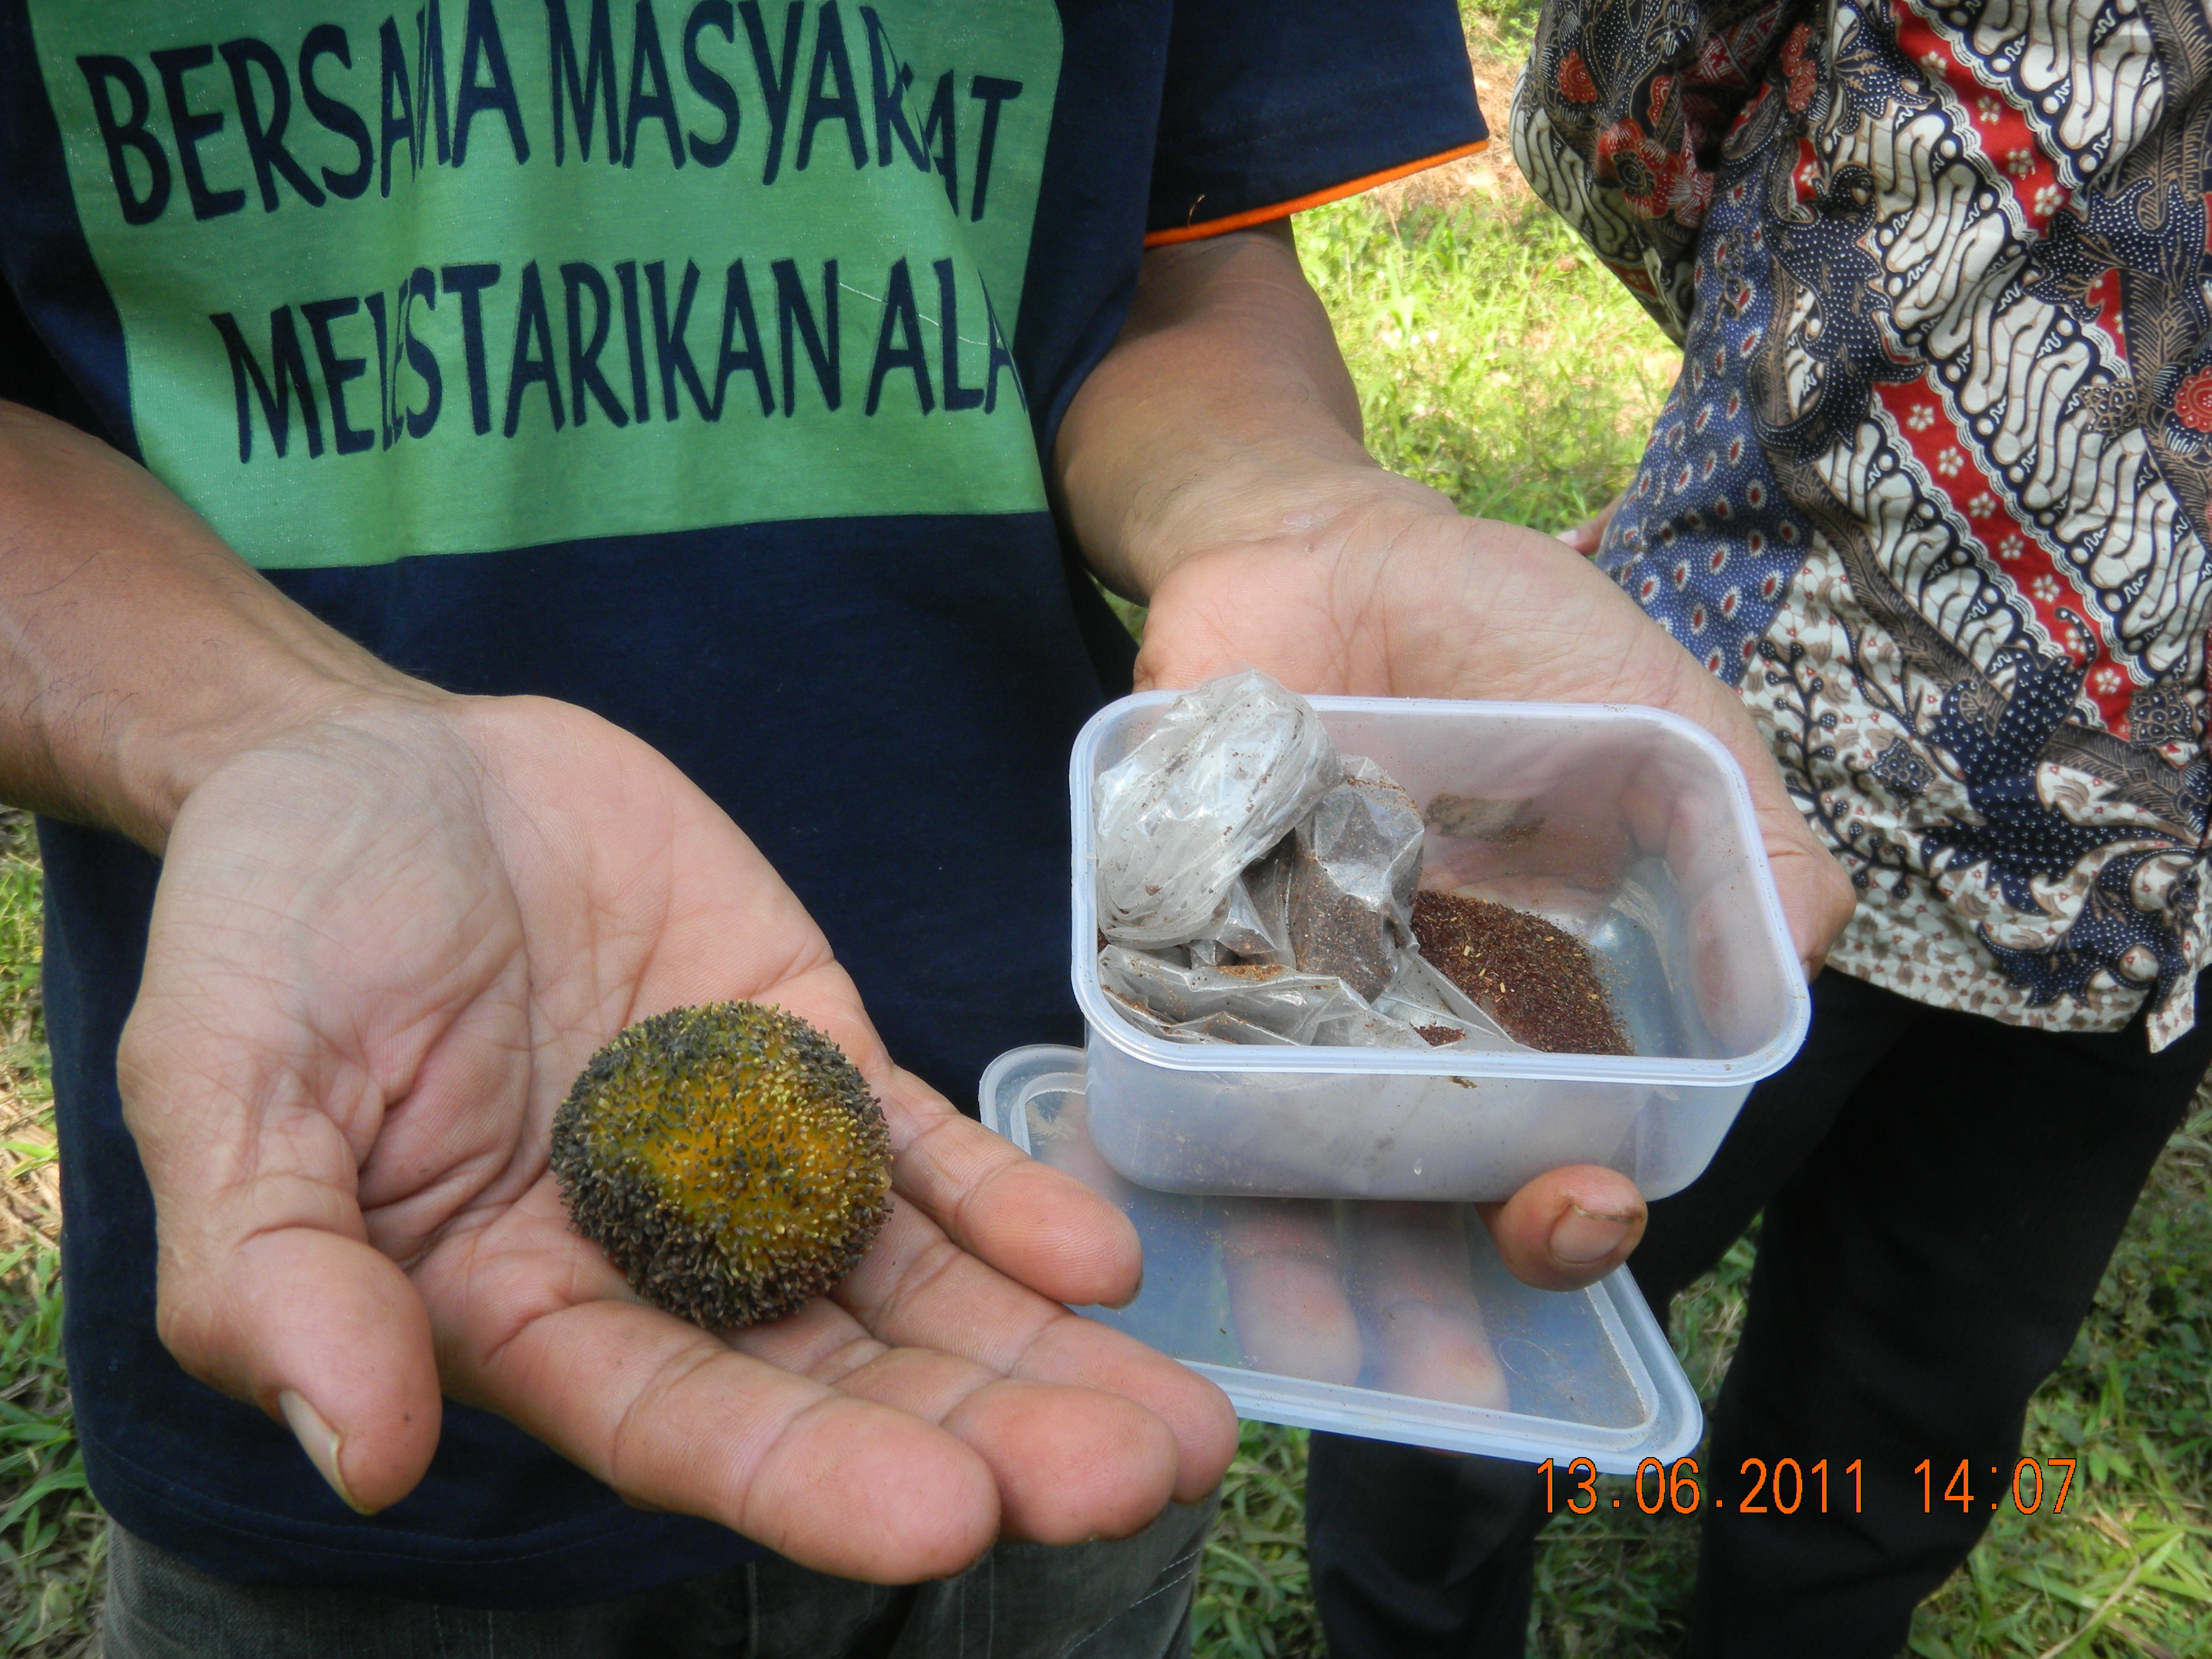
{"x": 1568, "y": 1227}
{"x": 1245, "y": 607}
{"x": 267, "y": 1288}
{"x": 327, "y": 1334}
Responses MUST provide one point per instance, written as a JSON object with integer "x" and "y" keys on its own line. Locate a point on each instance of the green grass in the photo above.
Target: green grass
{"x": 1505, "y": 28}
{"x": 51, "y": 1541}
{"x": 1496, "y": 359}
{"x": 1254, "y": 1596}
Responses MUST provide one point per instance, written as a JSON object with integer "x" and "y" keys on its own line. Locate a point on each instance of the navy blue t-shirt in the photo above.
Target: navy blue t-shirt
{"x": 691, "y": 362}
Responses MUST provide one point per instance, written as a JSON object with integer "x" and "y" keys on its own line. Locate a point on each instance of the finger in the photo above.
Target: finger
{"x": 533, "y": 1323}
{"x": 1286, "y": 1289}
{"x": 1236, "y": 608}
{"x": 1415, "y": 1282}
{"x": 1035, "y": 1225}
{"x": 670, "y": 1418}
{"x": 1818, "y": 899}
{"x": 325, "y": 1334}
{"x": 1437, "y": 1352}
{"x": 1816, "y": 895}
{"x": 266, "y": 1290}
{"x": 1113, "y": 1466}
{"x": 1063, "y": 1142}
{"x": 265, "y": 1286}
{"x": 916, "y": 1287}
{"x": 1062, "y": 1456}
{"x": 1568, "y": 1227}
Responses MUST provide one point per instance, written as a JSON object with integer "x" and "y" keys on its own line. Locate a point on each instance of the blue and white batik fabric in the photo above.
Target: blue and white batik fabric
{"x": 1932, "y": 489}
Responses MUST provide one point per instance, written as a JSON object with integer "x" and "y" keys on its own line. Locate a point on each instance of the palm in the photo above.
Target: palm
{"x": 374, "y": 999}
{"x": 1398, "y": 596}
{"x": 1423, "y": 604}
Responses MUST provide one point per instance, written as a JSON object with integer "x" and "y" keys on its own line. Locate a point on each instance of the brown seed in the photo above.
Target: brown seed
{"x": 1547, "y": 1002}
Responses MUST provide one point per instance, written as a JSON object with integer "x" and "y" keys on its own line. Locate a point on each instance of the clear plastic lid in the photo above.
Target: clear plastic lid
{"x": 1394, "y": 1321}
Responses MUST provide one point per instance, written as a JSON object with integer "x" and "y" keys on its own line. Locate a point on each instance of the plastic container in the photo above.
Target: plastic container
{"x": 1394, "y": 1322}
{"x": 1631, "y": 828}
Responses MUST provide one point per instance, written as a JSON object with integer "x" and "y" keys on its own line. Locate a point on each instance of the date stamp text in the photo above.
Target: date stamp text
{"x": 1787, "y": 1486}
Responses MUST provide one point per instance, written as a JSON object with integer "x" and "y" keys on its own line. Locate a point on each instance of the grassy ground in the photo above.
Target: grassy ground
{"x": 50, "y": 1536}
{"x": 1495, "y": 359}
{"x": 1500, "y": 363}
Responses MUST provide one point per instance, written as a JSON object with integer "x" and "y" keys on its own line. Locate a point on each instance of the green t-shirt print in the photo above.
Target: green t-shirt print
{"x": 488, "y": 274}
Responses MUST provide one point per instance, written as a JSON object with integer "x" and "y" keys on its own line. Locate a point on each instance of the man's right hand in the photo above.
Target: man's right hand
{"x": 391, "y": 926}
{"x": 384, "y": 944}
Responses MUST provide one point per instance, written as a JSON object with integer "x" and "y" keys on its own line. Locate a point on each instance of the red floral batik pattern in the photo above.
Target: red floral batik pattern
{"x": 1933, "y": 487}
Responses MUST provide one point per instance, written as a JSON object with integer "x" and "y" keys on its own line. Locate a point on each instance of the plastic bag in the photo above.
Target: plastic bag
{"x": 1421, "y": 997}
{"x": 1189, "y": 1002}
{"x": 1214, "y": 1028}
{"x": 1348, "y": 875}
{"x": 1250, "y": 927}
{"x": 1288, "y": 1003}
{"x": 1256, "y": 888}
{"x": 1232, "y": 766}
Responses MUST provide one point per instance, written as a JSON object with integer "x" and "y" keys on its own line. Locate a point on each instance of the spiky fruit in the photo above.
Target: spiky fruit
{"x": 728, "y": 1158}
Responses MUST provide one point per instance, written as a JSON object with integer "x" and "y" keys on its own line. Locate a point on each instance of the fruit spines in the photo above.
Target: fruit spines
{"x": 728, "y": 1158}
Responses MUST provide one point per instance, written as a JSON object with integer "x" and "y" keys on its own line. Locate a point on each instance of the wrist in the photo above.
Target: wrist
{"x": 165, "y": 759}
{"x": 137, "y": 652}
{"x": 1325, "y": 506}
{"x": 1223, "y": 415}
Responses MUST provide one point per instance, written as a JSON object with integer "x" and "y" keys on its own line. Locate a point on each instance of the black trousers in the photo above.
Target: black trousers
{"x": 1127, "y": 1599}
{"x": 1942, "y": 1193}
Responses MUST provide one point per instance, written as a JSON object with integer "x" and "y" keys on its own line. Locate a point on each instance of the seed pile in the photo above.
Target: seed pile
{"x": 728, "y": 1158}
{"x": 1535, "y": 980}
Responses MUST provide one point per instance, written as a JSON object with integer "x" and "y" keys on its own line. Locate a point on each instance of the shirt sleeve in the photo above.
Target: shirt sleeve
{"x": 1274, "y": 105}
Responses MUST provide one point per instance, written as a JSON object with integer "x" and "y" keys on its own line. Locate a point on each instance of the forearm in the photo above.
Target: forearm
{"x": 1223, "y": 412}
{"x": 137, "y": 651}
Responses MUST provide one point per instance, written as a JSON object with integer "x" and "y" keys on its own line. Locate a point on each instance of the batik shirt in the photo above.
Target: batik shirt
{"x": 1932, "y": 488}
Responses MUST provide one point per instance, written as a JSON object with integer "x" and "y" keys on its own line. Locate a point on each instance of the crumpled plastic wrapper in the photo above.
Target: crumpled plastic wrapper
{"x": 1189, "y": 1003}
{"x": 1251, "y": 926}
{"x": 1235, "y": 763}
{"x": 1347, "y": 878}
{"x": 1420, "y": 996}
{"x": 1308, "y": 938}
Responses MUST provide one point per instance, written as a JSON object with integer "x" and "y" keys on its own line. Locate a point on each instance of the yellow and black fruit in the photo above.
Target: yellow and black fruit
{"x": 728, "y": 1158}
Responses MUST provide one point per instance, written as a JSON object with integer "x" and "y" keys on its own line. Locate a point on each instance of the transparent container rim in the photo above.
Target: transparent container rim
{"x": 1109, "y": 1026}
{"x": 1671, "y": 1427}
